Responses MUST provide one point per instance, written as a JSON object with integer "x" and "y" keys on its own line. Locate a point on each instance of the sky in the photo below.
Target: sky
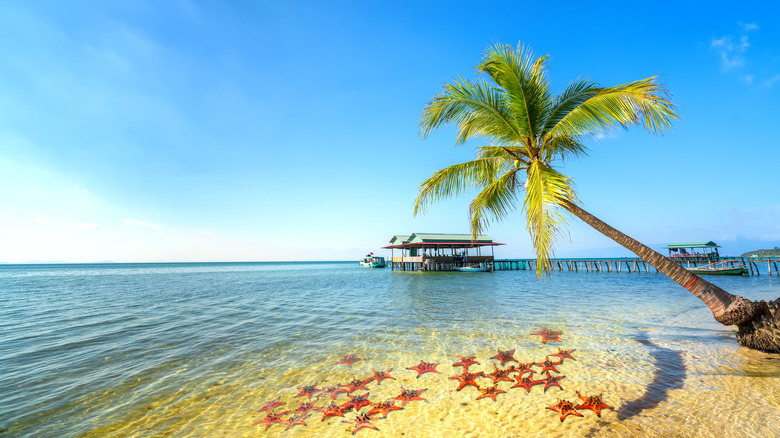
{"x": 181, "y": 130}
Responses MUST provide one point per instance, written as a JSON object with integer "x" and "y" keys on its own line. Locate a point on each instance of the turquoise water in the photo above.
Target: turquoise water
{"x": 197, "y": 349}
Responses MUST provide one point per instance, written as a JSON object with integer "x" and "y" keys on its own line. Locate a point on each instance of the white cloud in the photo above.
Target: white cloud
{"x": 731, "y": 53}
{"x": 771, "y": 81}
{"x": 747, "y": 27}
{"x": 141, "y": 224}
{"x": 91, "y": 226}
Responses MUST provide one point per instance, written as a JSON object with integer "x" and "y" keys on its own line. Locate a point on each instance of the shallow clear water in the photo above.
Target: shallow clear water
{"x": 197, "y": 349}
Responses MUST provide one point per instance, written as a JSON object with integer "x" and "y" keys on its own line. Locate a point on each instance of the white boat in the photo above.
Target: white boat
{"x": 372, "y": 261}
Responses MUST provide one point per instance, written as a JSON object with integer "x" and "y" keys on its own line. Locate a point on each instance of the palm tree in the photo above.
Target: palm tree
{"x": 530, "y": 131}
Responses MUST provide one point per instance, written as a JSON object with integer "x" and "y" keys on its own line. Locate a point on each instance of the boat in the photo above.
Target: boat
{"x": 475, "y": 268}
{"x": 718, "y": 269}
{"x": 372, "y": 261}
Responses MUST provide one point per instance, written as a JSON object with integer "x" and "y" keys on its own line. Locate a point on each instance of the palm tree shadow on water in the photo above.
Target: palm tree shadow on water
{"x": 669, "y": 374}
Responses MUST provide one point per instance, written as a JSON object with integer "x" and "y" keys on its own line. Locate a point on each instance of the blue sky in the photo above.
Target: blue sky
{"x": 239, "y": 131}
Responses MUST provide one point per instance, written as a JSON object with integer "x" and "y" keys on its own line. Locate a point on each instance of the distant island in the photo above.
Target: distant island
{"x": 763, "y": 252}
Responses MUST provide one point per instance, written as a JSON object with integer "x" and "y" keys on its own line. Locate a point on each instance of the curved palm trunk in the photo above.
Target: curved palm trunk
{"x": 758, "y": 322}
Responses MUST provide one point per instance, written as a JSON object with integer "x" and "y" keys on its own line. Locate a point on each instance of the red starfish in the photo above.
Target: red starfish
{"x": 548, "y": 365}
{"x": 379, "y": 375}
{"x": 524, "y": 368}
{"x": 361, "y": 421}
{"x": 348, "y": 359}
{"x": 548, "y": 335}
{"x": 466, "y": 379}
{"x": 490, "y": 392}
{"x": 332, "y": 391}
{"x": 384, "y": 407}
{"x": 271, "y": 405}
{"x": 272, "y": 417}
{"x": 357, "y": 401}
{"x": 296, "y": 419}
{"x": 333, "y": 410}
{"x": 356, "y": 384}
{"x": 500, "y": 375}
{"x": 465, "y": 362}
{"x": 593, "y": 402}
{"x": 306, "y": 407}
{"x": 564, "y": 354}
{"x": 308, "y": 391}
{"x": 565, "y": 408}
{"x": 525, "y": 382}
{"x": 505, "y": 356}
{"x": 552, "y": 381}
{"x": 424, "y": 367}
{"x": 408, "y": 395}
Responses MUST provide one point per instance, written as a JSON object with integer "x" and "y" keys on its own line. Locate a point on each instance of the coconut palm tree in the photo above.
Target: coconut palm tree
{"x": 530, "y": 132}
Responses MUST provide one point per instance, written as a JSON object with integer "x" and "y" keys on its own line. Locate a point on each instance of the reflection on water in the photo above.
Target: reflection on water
{"x": 195, "y": 350}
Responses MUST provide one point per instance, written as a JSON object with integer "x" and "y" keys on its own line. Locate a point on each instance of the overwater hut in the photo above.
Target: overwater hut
{"x": 683, "y": 251}
{"x": 439, "y": 252}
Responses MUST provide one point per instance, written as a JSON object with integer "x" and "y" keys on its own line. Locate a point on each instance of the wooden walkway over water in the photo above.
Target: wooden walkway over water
{"x": 637, "y": 265}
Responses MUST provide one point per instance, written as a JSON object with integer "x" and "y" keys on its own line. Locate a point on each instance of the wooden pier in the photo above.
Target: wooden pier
{"x": 637, "y": 265}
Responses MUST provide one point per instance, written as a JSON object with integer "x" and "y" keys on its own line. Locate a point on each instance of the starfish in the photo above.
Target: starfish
{"x": 357, "y": 401}
{"x": 564, "y": 354}
{"x": 500, "y": 375}
{"x": 296, "y": 419}
{"x": 305, "y": 407}
{"x": 548, "y": 335}
{"x": 332, "y": 391}
{"x": 424, "y": 367}
{"x": 490, "y": 392}
{"x": 333, "y": 410}
{"x": 272, "y": 417}
{"x": 552, "y": 381}
{"x": 564, "y": 408}
{"x": 379, "y": 375}
{"x": 408, "y": 395}
{"x": 505, "y": 356}
{"x": 525, "y": 382}
{"x": 361, "y": 421}
{"x": 524, "y": 368}
{"x": 593, "y": 402}
{"x": 356, "y": 384}
{"x": 548, "y": 365}
{"x": 384, "y": 407}
{"x": 465, "y": 362}
{"x": 466, "y": 379}
{"x": 308, "y": 391}
{"x": 348, "y": 359}
{"x": 271, "y": 405}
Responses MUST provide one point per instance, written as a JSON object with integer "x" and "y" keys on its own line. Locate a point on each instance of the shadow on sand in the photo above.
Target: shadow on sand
{"x": 669, "y": 374}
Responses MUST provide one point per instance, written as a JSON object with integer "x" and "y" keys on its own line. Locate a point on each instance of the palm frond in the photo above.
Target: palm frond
{"x": 494, "y": 202}
{"x": 476, "y": 108}
{"x": 523, "y": 80}
{"x": 546, "y": 191}
{"x": 456, "y": 179}
{"x": 639, "y": 103}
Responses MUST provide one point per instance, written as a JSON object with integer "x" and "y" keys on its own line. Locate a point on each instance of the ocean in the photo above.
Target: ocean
{"x": 196, "y": 349}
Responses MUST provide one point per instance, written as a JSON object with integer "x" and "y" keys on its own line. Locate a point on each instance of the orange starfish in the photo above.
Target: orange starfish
{"x": 334, "y": 410}
{"x": 565, "y": 408}
{"x": 593, "y": 402}
{"x": 308, "y": 391}
{"x": 271, "y": 405}
{"x": 408, "y": 395}
{"x": 564, "y": 354}
{"x": 361, "y": 421}
{"x": 379, "y": 375}
{"x": 548, "y": 335}
{"x": 272, "y": 417}
{"x": 552, "y": 381}
{"x": 348, "y": 359}
{"x": 505, "y": 356}
{"x": 465, "y": 362}
{"x": 490, "y": 392}
{"x": 466, "y": 379}
{"x": 548, "y": 365}
{"x": 526, "y": 382}
{"x": 384, "y": 407}
{"x": 424, "y": 367}
{"x": 500, "y": 375}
